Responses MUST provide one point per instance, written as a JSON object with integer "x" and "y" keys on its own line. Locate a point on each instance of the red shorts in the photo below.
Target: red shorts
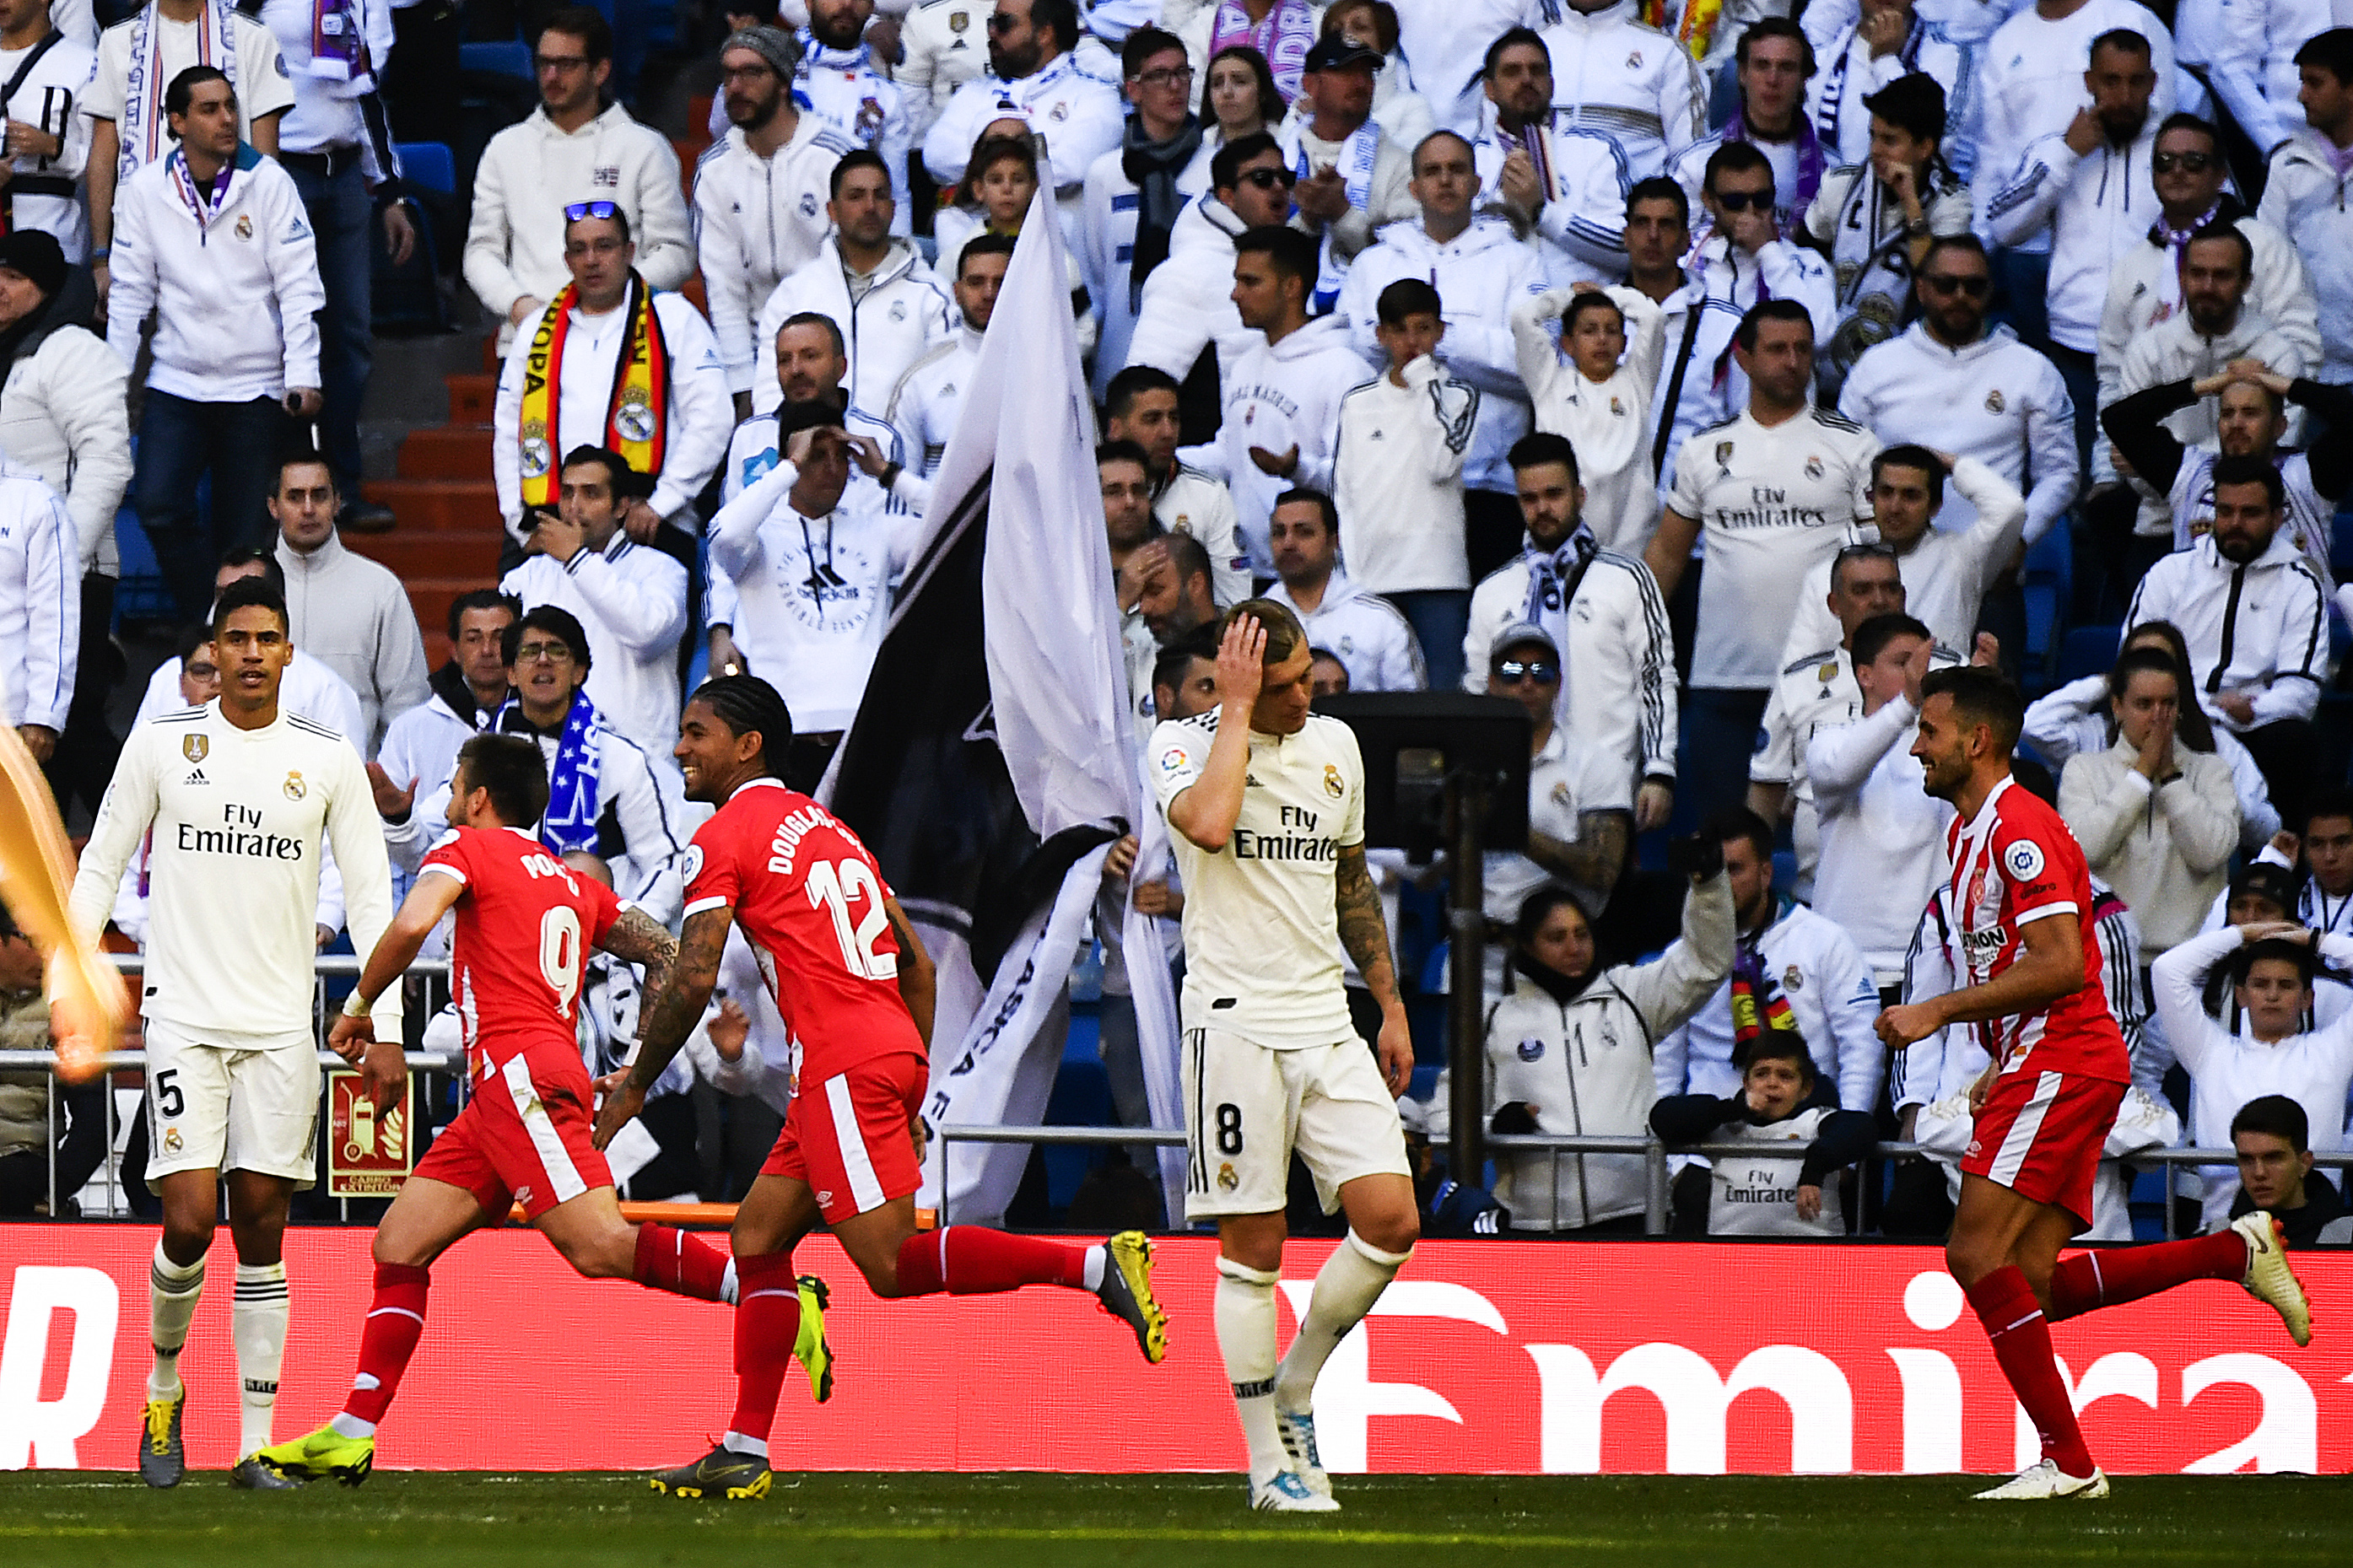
{"x": 524, "y": 1138}
{"x": 2042, "y": 1134}
{"x": 847, "y": 1136}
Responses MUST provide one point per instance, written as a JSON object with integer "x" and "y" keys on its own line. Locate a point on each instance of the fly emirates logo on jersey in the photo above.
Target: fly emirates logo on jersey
{"x": 1294, "y": 840}
{"x": 240, "y": 833}
{"x": 1769, "y": 507}
{"x": 1493, "y": 1356}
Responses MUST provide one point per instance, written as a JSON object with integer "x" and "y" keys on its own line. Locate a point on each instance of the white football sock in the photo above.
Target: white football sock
{"x": 1245, "y": 1318}
{"x": 1345, "y": 1289}
{"x": 736, "y": 1443}
{"x": 258, "y": 1324}
{"x": 727, "y": 1286}
{"x": 1098, "y": 1259}
{"x": 171, "y": 1295}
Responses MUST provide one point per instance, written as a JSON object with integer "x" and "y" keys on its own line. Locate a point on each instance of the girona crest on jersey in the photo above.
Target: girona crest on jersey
{"x": 196, "y": 748}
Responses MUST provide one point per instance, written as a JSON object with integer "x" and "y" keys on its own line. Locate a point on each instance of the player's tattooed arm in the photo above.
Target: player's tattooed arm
{"x": 637, "y": 938}
{"x": 1363, "y": 932}
{"x": 672, "y": 1009}
{"x": 918, "y": 981}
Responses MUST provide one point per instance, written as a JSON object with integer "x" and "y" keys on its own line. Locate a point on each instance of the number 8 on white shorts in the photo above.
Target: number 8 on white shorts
{"x": 1250, "y": 1106}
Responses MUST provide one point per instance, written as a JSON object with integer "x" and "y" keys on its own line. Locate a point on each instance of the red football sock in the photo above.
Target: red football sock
{"x": 2005, "y": 1304}
{"x": 965, "y": 1260}
{"x": 767, "y": 1320}
{"x": 2090, "y": 1280}
{"x": 670, "y": 1259}
{"x": 395, "y": 1320}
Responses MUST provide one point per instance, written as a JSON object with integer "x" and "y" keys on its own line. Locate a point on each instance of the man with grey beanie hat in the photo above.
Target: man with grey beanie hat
{"x": 760, "y": 192}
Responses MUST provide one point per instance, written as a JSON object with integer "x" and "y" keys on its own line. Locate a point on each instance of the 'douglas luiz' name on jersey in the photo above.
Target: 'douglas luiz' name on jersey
{"x": 238, "y": 817}
{"x": 1261, "y": 930}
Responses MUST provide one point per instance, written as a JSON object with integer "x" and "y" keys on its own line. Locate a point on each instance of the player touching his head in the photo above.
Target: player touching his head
{"x": 237, "y": 798}
{"x": 2030, "y": 962}
{"x": 854, "y": 986}
{"x": 526, "y": 922}
{"x": 1266, "y": 805}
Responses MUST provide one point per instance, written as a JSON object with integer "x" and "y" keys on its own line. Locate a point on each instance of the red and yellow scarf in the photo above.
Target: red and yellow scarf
{"x": 637, "y": 414}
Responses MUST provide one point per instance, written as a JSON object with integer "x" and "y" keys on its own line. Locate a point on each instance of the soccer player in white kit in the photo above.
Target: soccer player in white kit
{"x": 239, "y": 796}
{"x": 1266, "y": 802}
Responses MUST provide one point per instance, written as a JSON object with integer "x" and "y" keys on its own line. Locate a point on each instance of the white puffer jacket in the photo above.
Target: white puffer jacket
{"x": 62, "y": 416}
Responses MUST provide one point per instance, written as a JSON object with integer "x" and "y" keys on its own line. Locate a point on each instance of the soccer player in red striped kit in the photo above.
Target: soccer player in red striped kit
{"x": 2043, "y": 1107}
{"x": 854, "y": 985}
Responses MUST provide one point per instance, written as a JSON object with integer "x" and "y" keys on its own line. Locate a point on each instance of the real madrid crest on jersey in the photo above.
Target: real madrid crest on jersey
{"x": 1332, "y": 784}
{"x": 1793, "y": 979}
{"x": 635, "y": 421}
{"x": 536, "y": 454}
{"x": 196, "y": 748}
{"x": 1724, "y": 454}
{"x": 293, "y": 788}
{"x": 898, "y": 311}
{"x": 245, "y": 226}
{"x": 808, "y": 203}
{"x": 1994, "y": 403}
{"x": 1813, "y": 468}
{"x": 958, "y": 21}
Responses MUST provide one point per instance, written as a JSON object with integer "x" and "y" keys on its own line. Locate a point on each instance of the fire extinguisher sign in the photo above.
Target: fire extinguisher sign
{"x": 369, "y": 1153}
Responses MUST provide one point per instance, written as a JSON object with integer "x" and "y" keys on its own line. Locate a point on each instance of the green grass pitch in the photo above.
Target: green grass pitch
{"x": 413, "y": 1520}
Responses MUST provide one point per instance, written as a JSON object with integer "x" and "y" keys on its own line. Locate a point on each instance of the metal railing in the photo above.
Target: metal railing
{"x": 1655, "y": 1154}
{"x": 324, "y": 968}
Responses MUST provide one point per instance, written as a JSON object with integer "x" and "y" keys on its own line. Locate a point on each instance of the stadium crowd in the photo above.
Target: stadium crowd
{"x": 1699, "y": 378}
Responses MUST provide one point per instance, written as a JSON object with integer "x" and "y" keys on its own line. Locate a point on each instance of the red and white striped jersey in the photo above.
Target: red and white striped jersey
{"x": 2013, "y": 864}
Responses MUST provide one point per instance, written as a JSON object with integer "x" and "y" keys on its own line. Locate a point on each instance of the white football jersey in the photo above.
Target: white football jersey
{"x": 1261, "y": 930}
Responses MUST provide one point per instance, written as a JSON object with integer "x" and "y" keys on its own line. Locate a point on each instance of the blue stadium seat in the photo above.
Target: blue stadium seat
{"x": 2340, "y": 544}
{"x": 510, "y": 58}
{"x": 2046, "y": 583}
{"x": 2087, "y": 650}
{"x": 427, "y": 165}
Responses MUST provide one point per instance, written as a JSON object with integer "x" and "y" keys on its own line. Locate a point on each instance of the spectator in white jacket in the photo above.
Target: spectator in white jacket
{"x": 1135, "y": 193}
{"x": 344, "y": 608}
{"x": 1883, "y": 835}
{"x": 1034, "y": 80}
{"x": 1781, "y": 947}
{"x": 1951, "y": 383}
{"x": 760, "y": 194}
{"x": 2157, "y": 820}
{"x": 1746, "y": 256}
{"x": 630, "y": 601}
{"x": 1188, "y": 307}
{"x": 40, "y": 610}
{"x": 875, "y": 286}
{"x": 1142, "y": 406}
{"x": 1569, "y": 1051}
{"x": 1603, "y": 611}
{"x": 1877, "y": 45}
{"x": 1620, "y": 82}
{"x": 575, "y": 147}
{"x": 236, "y": 334}
{"x": 2254, "y": 617}
{"x": 942, "y": 45}
{"x": 1281, "y": 425}
{"x": 1615, "y": 340}
{"x": 1550, "y": 169}
{"x": 62, "y": 416}
{"x": 582, "y": 372}
{"x": 845, "y": 83}
{"x": 1481, "y": 271}
{"x": 1368, "y": 634}
{"x": 422, "y": 744}
{"x": 46, "y": 71}
{"x": 2304, "y": 197}
{"x": 2244, "y": 52}
{"x": 928, "y": 400}
{"x": 2272, "y": 969}
{"x": 1397, "y": 477}
{"x": 1352, "y": 176}
{"x": 1580, "y": 801}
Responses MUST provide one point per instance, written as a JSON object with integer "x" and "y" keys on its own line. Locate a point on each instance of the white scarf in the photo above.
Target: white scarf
{"x": 1355, "y": 161}
{"x": 145, "y": 135}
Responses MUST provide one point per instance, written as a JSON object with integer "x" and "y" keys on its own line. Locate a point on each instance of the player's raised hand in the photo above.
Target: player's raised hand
{"x": 1241, "y": 663}
{"x": 622, "y": 1101}
{"x": 350, "y": 1036}
{"x": 392, "y": 802}
{"x": 383, "y": 1071}
{"x": 1907, "y": 1024}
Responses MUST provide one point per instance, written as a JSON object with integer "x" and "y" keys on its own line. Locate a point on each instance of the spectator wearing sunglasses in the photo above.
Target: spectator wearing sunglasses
{"x": 1951, "y": 383}
{"x": 1744, "y": 257}
{"x": 1188, "y": 303}
{"x": 578, "y": 146}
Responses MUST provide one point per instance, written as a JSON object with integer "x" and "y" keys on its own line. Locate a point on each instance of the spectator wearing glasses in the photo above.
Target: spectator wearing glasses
{"x": 129, "y": 128}
{"x": 609, "y": 362}
{"x": 875, "y": 286}
{"x": 2271, "y": 1135}
{"x": 2271, "y": 1052}
{"x": 1033, "y": 80}
{"x": 237, "y": 333}
{"x": 575, "y": 147}
{"x": 1746, "y": 256}
{"x": 1952, "y": 383}
{"x": 1580, "y": 800}
{"x": 759, "y": 193}
{"x": 1136, "y": 192}
{"x": 1188, "y": 304}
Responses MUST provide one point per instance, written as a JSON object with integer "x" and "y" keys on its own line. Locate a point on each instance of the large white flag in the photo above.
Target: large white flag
{"x": 1016, "y": 561}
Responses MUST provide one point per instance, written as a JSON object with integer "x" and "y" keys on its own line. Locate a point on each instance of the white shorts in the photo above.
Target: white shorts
{"x": 249, "y": 1106}
{"x": 1248, "y": 1107}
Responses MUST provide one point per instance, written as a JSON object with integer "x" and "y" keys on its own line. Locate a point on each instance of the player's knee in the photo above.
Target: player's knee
{"x": 601, "y": 1255}
{"x": 1391, "y": 1232}
{"x": 1967, "y": 1260}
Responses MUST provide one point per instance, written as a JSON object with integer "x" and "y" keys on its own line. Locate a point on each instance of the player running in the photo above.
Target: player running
{"x": 525, "y": 922}
{"x": 2048, "y": 1098}
{"x": 1267, "y": 802}
{"x": 854, "y": 985}
{"x": 238, "y": 796}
